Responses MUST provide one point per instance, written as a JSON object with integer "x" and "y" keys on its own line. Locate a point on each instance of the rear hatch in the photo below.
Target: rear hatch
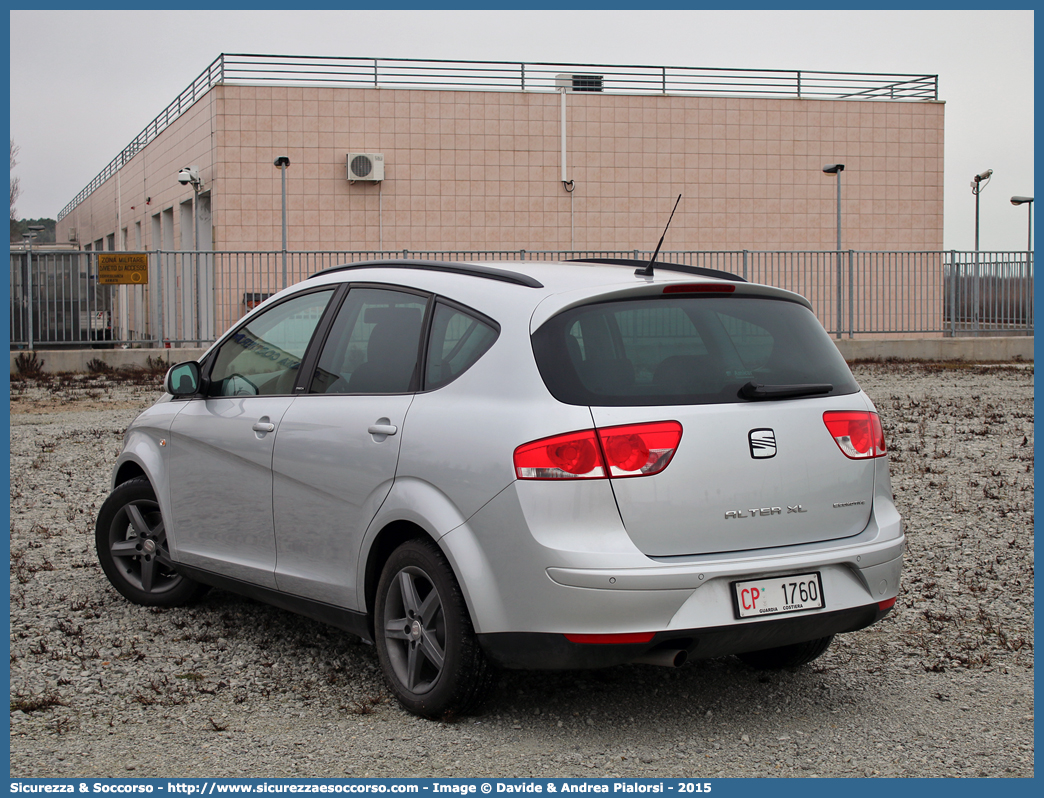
{"x": 749, "y": 378}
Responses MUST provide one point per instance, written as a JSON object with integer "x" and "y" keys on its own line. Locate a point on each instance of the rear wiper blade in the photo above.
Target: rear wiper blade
{"x": 756, "y": 391}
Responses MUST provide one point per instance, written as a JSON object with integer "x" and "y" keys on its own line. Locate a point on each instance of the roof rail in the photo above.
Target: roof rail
{"x": 471, "y": 269}
{"x": 664, "y": 265}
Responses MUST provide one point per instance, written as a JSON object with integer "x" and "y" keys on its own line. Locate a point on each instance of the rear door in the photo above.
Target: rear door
{"x": 335, "y": 460}
{"x": 750, "y": 471}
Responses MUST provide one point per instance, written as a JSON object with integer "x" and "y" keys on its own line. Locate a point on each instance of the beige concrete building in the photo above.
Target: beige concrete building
{"x": 535, "y": 165}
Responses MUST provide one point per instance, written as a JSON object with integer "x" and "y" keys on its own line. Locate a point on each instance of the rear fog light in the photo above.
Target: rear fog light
{"x": 612, "y": 639}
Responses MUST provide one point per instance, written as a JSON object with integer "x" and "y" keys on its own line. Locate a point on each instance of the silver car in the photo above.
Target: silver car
{"x": 525, "y": 465}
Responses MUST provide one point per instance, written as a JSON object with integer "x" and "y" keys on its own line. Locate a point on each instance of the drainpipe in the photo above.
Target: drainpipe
{"x": 565, "y": 174}
{"x": 568, "y": 184}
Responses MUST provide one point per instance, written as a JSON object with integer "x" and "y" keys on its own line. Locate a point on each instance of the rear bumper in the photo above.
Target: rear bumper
{"x": 546, "y": 651}
{"x": 561, "y": 562}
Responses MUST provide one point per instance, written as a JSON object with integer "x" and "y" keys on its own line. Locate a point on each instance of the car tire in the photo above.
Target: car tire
{"x": 131, "y": 540}
{"x": 426, "y": 643}
{"x": 791, "y": 656}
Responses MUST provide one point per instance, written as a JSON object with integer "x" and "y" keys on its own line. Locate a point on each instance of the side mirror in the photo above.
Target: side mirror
{"x": 183, "y": 379}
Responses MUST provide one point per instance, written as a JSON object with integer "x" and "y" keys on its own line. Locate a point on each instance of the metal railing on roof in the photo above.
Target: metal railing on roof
{"x": 208, "y": 78}
{"x": 414, "y": 73}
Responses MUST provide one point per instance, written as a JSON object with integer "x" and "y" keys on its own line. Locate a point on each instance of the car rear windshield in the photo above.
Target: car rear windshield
{"x": 688, "y": 350}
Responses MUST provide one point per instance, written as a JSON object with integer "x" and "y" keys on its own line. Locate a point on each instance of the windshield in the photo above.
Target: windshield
{"x": 688, "y": 350}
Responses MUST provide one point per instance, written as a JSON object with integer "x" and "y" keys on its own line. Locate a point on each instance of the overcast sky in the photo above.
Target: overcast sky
{"x": 84, "y": 83}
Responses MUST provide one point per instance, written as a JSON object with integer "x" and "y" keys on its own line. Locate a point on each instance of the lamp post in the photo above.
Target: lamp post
{"x": 837, "y": 169}
{"x": 1029, "y": 235}
{"x": 33, "y": 230}
{"x": 1028, "y": 202}
{"x": 190, "y": 175}
{"x": 978, "y": 183}
{"x": 282, "y": 162}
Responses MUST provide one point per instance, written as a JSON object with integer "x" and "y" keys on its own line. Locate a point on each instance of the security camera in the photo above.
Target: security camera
{"x": 190, "y": 174}
{"x": 983, "y": 176}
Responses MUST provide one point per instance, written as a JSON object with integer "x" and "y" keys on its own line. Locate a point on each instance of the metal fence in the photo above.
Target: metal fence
{"x": 191, "y": 297}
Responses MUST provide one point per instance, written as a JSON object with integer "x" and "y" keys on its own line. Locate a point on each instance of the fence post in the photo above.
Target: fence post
{"x": 161, "y": 275}
{"x": 92, "y": 292}
{"x": 744, "y": 264}
{"x": 839, "y": 289}
{"x": 1027, "y": 293}
{"x": 851, "y": 292}
{"x": 975, "y": 301}
{"x": 953, "y": 293}
{"x": 29, "y": 260}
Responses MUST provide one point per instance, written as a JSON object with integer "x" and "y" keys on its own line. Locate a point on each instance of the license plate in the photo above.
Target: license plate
{"x": 778, "y": 595}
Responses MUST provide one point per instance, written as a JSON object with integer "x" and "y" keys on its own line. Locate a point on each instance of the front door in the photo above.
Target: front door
{"x": 221, "y": 444}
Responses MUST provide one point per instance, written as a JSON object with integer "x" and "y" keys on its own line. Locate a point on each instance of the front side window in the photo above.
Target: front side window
{"x": 685, "y": 350}
{"x": 373, "y": 345}
{"x": 262, "y": 358}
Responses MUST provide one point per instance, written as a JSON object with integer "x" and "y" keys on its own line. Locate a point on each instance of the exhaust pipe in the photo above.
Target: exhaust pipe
{"x": 665, "y": 657}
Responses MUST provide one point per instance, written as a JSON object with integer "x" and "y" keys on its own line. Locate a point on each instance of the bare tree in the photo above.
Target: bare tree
{"x": 15, "y": 188}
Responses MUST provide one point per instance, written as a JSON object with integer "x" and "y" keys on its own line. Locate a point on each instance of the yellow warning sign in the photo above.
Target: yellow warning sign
{"x": 123, "y": 268}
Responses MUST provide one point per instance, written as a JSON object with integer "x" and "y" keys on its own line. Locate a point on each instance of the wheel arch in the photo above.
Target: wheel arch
{"x": 127, "y": 471}
{"x": 393, "y": 535}
{"x": 143, "y": 457}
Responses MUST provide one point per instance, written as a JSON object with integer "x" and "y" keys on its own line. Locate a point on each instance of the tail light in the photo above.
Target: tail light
{"x": 634, "y": 450}
{"x": 858, "y": 434}
{"x": 571, "y": 456}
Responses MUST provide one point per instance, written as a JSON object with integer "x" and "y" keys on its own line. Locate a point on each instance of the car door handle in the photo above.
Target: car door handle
{"x": 382, "y": 429}
{"x": 263, "y": 426}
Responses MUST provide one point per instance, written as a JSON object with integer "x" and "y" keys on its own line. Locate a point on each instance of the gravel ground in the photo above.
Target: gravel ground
{"x": 942, "y": 687}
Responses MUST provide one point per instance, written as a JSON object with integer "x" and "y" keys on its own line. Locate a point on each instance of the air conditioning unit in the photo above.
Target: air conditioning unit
{"x": 579, "y": 82}
{"x": 366, "y": 166}
{"x": 72, "y": 234}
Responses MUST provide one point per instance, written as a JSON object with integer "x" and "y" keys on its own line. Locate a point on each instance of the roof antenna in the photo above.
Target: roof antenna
{"x": 647, "y": 270}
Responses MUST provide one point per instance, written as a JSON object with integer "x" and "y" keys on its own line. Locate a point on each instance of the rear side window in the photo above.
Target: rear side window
{"x": 685, "y": 350}
{"x": 458, "y": 339}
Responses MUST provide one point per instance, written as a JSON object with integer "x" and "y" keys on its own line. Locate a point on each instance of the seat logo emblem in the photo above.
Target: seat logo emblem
{"x": 762, "y": 443}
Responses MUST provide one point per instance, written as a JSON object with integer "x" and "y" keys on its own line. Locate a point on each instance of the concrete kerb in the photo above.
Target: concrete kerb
{"x": 74, "y": 361}
{"x": 975, "y": 350}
